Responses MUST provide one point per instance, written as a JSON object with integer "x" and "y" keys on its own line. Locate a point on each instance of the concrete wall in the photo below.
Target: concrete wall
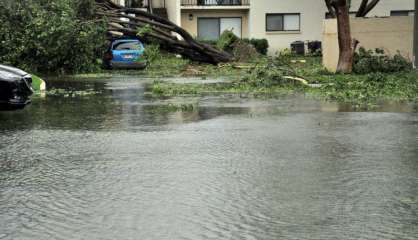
{"x": 191, "y": 25}
{"x": 393, "y": 34}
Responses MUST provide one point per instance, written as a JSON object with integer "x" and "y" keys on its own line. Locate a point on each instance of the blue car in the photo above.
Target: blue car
{"x": 125, "y": 54}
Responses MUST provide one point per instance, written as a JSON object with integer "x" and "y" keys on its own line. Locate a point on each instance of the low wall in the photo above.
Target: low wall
{"x": 392, "y": 34}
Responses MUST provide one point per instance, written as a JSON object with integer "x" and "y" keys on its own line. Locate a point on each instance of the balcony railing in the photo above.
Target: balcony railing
{"x": 215, "y": 2}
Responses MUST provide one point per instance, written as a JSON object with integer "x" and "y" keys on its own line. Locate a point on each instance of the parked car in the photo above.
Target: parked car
{"x": 15, "y": 88}
{"x": 126, "y": 54}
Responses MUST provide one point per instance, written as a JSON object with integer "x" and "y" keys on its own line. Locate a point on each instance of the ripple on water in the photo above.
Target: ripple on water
{"x": 238, "y": 175}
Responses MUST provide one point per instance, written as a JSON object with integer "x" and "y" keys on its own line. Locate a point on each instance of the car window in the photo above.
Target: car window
{"x": 127, "y": 46}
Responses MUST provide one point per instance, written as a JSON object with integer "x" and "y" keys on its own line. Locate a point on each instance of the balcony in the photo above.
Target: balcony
{"x": 215, "y": 3}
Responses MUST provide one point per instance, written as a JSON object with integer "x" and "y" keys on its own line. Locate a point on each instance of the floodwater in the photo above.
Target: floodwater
{"x": 120, "y": 165}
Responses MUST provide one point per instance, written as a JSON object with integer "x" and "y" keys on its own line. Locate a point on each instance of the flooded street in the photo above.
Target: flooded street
{"x": 118, "y": 164}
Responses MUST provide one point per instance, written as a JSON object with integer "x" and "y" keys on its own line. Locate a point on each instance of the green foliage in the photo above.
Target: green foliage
{"x": 144, "y": 30}
{"x": 227, "y": 40}
{"x": 369, "y": 88}
{"x": 244, "y": 52}
{"x": 152, "y": 53}
{"x": 261, "y": 45}
{"x": 368, "y": 61}
{"x": 163, "y": 64}
{"x": 264, "y": 75}
{"x": 51, "y": 36}
{"x": 271, "y": 72}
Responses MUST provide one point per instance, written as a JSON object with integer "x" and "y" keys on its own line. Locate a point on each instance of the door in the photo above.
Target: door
{"x": 232, "y": 24}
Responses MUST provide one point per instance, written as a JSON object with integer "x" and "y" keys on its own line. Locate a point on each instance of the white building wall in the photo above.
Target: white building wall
{"x": 173, "y": 11}
{"x": 120, "y": 2}
{"x": 312, "y": 14}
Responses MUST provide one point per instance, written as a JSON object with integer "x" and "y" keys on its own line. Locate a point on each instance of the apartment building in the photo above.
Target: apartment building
{"x": 281, "y": 22}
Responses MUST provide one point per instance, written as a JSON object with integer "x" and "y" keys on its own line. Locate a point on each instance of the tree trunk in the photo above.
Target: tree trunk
{"x": 345, "y": 62}
{"x": 416, "y": 36}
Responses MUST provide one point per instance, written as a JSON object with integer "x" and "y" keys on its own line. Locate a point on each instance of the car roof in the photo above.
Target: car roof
{"x": 126, "y": 40}
{"x": 13, "y": 70}
{"x": 8, "y": 73}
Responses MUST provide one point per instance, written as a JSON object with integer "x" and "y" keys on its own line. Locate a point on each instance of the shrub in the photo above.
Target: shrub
{"x": 261, "y": 45}
{"x": 227, "y": 40}
{"x": 152, "y": 53}
{"x": 244, "y": 52}
{"x": 368, "y": 61}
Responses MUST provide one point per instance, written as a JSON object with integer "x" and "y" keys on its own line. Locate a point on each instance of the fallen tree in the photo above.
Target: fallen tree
{"x": 149, "y": 27}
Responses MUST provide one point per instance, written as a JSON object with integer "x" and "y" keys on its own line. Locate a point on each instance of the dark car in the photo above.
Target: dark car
{"x": 125, "y": 54}
{"x": 15, "y": 88}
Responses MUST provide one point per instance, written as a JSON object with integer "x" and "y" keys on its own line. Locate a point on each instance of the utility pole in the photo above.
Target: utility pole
{"x": 416, "y": 36}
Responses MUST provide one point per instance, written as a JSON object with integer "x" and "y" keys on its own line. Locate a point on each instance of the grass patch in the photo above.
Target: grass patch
{"x": 370, "y": 88}
{"x": 266, "y": 77}
{"x": 166, "y": 89}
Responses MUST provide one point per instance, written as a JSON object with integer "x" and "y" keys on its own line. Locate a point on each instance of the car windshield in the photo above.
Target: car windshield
{"x": 127, "y": 46}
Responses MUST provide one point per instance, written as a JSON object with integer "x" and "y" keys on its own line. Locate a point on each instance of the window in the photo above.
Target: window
{"x": 402, "y": 13}
{"x": 212, "y": 28}
{"x": 127, "y": 46}
{"x": 208, "y": 28}
{"x": 231, "y": 24}
{"x": 283, "y": 22}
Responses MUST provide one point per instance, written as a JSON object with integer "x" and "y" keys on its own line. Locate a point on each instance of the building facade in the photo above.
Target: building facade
{"x": 281, "y": 22}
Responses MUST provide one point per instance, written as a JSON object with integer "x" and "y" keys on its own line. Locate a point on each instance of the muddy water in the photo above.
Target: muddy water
{"x": 119, "y": 165}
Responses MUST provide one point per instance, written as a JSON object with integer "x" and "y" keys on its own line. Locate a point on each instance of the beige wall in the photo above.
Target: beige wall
{"x": 191, "y": 25}
{"x": 393, "y": 34}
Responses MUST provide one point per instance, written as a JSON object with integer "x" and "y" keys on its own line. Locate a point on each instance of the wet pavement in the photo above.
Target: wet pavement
{"x": 118, "y": 164}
